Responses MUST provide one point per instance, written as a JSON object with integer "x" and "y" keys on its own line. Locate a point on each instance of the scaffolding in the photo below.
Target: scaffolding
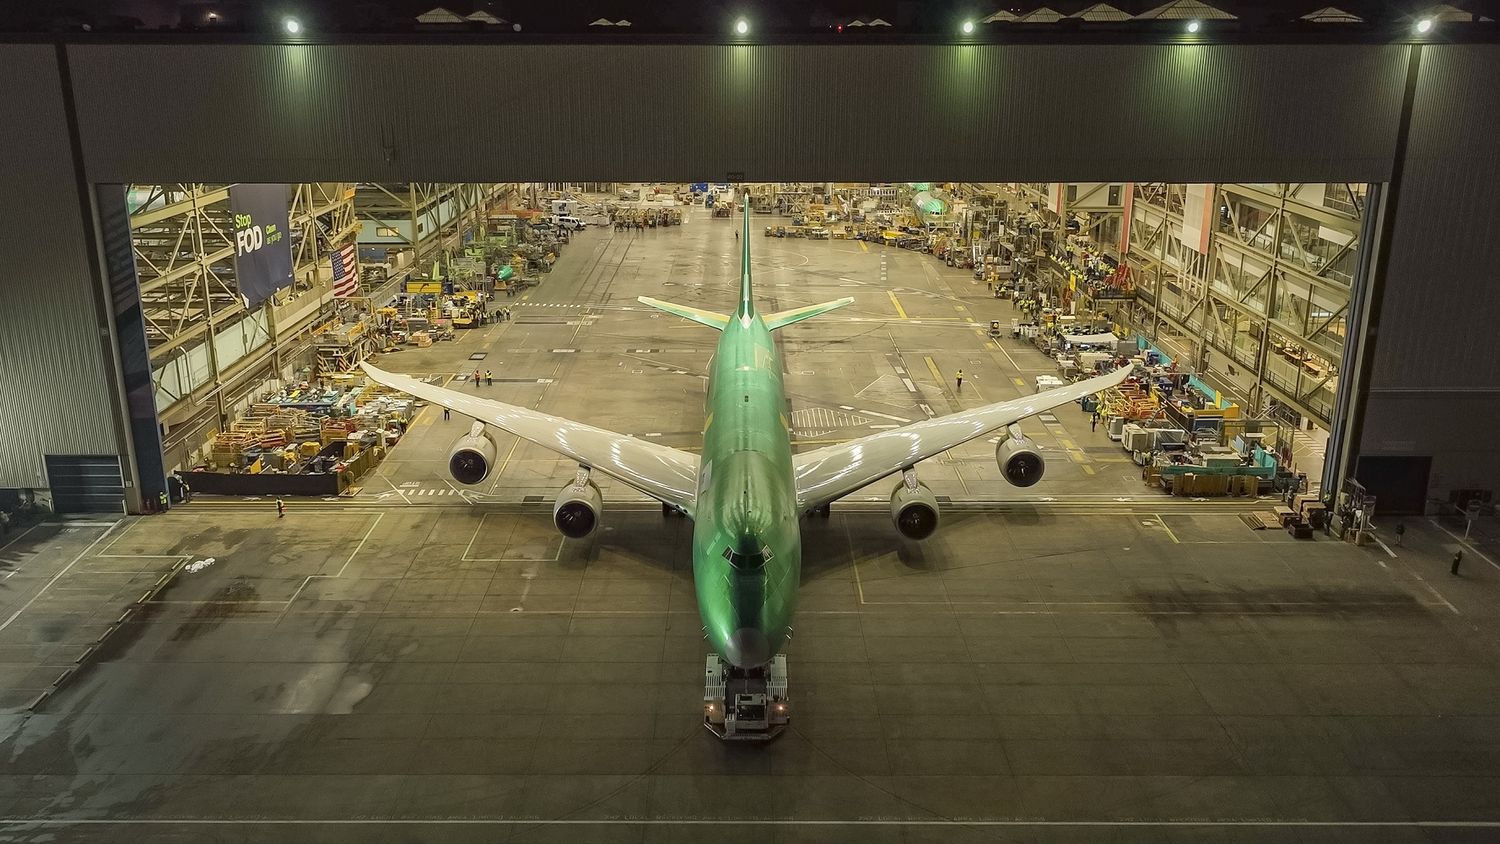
{"x": 1257, "y": 295}
{"x": 416, "y": 223}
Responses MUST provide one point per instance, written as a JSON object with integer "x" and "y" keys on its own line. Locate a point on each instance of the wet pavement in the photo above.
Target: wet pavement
{"x": 462, "y": 670}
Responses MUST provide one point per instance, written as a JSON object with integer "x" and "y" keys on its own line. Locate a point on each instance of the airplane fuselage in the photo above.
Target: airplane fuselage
{"x": 747, "y": 549}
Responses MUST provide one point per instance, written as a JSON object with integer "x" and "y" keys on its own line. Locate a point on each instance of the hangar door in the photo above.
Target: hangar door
{"x": 82, "y": 483}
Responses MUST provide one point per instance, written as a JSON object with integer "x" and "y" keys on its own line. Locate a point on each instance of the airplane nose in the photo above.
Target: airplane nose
{"x": 748, "y": 648}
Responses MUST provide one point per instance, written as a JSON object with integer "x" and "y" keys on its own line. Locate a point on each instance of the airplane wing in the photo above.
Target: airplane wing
{"x": 663, "y": 473}
{"x": 698, "y": 315}
{"x": 829, "y": 473}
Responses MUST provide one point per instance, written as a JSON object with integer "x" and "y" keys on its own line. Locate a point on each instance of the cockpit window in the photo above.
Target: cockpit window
{"x": 746, "y": 561}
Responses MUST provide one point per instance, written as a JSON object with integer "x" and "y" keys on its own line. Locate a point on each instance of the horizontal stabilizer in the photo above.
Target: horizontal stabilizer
{"x": 785, "y": 318}
{"x": 708, "y": 318}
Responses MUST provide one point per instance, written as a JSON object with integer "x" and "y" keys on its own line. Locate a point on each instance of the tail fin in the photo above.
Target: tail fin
{"x": 747, "y": 295}
{"x": 781, "y": 319}
{"x": 698, "y": 315}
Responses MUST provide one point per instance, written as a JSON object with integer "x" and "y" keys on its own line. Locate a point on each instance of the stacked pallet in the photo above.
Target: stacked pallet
{"x": 334, "y": 430}
{"x": 229, "y": 446}
{"x": 1261, "y": 521}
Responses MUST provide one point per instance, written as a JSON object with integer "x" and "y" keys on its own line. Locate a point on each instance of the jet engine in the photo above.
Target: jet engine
{"x": 914, "y": 509}
{"x": 472, "y": 456}
{"x": 1020, "y": 461}
{"x": 576, "y": 512}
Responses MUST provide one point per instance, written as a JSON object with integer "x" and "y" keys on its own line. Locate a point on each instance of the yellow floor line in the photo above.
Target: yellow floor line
{"x": 1089, "y": 469}
{"x": 897, "y": 302}
{"x": 933, "y": 367}
{"x": 864, "y": 246}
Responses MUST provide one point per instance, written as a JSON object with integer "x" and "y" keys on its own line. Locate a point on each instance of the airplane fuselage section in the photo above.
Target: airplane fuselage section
{"x": 747, "y": 551}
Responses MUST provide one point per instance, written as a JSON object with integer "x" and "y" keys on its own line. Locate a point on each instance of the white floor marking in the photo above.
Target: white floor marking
{"x": 56, "y": 577}
{"x": 1467, "y": 546}
{"x": 340, "y": 573}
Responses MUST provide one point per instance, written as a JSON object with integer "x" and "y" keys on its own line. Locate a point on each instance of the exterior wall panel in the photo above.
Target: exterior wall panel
{"x": 54, "y": 365}
{"x": 1435, "y": 381}
{"x": 281, "y": 113}
{"x": 775, "y": 113}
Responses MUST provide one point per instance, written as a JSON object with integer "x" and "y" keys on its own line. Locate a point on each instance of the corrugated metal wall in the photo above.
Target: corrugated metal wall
{"x": 582, "y": 113}
{"x": 974, "y": 113}
{"x": 54, "y": 396}
{"x": 1443, "y": 274}
{"x": 1435, "y": 384}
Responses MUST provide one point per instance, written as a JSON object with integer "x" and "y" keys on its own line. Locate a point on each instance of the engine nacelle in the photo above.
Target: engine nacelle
{"x": 576, "y": 512}
{"x": 914, "y": 510}
{"x": 472, "y": 456}
{"x": 1020, "y": 461}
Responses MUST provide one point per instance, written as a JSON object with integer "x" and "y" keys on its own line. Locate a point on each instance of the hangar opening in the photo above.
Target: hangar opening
{"x": 259, "y": 302}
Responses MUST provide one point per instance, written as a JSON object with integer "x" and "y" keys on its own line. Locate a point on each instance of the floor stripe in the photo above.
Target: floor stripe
{"x": 897, "y": 302}
{"x": 56, "y": 577}
{"x": 1465, "y": 544}
{"x": 933, "y": 367}
{"x": 1163, "y": 523}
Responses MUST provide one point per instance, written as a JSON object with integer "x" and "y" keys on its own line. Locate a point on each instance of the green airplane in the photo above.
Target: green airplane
{"x": 748, "y": 491}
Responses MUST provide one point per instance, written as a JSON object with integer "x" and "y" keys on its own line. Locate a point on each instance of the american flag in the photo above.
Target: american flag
{"x": 345, "y": 272}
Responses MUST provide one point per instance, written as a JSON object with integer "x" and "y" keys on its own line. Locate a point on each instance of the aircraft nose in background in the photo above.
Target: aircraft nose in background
{"x": 748, "y": 648}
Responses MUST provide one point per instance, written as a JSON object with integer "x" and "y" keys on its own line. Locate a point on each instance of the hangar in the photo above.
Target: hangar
{"x": 1320, "y": 270}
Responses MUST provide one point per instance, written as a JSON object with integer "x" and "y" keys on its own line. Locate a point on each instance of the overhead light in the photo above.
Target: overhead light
{"x": 1424, "y": 25}
{"x": 741, "y": 26}
{"x": 1194, "y": 26}
{"x": 292, "y": 26}
{"x": 968, "y": 27}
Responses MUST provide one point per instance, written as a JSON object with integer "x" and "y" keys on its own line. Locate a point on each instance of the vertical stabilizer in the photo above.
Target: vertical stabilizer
{"x": 747, "y": 296}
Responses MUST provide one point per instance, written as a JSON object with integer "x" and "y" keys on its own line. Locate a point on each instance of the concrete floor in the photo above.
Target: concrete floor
{"x": 1144, "y": 669}
{"x": 463, "y": 670}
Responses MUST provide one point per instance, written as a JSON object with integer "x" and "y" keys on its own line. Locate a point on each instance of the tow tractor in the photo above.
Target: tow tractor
{"x": 745, "y": 704}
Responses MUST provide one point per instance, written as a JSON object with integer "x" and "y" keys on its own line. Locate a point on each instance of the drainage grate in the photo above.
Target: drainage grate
{"x": 533, "y": 499}
{"x": 479, "y": 356}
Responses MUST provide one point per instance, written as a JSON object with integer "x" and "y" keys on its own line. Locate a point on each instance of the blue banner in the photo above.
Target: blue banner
{"x": 262, "y": 241}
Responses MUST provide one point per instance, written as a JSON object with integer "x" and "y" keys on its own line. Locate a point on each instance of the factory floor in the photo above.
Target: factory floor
{"x": 1084, "y": 660}
{"x": 1054, "y": 672}
{"x": 582, "y": 347}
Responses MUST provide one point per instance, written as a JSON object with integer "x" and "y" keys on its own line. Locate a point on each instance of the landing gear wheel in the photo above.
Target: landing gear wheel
{"x": 826, "y": 511}
{"x": 667, "y": 510}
